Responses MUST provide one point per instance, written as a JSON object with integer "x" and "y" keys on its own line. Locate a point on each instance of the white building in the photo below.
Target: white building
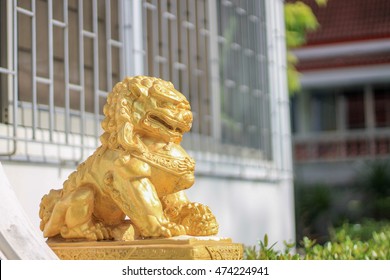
{"x": 58, "y": 60}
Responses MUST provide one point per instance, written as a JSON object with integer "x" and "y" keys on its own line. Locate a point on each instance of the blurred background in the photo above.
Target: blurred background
{"x": 288, "y": 142}
{"x": 340, "y": 116}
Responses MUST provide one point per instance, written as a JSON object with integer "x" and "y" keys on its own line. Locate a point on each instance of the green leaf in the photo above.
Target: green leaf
{"x": 299, "y": 20}
{"x": 266, "y": 240}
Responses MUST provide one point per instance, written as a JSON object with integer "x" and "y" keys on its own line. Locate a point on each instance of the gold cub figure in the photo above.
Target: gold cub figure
{"x": 133, "y": 185}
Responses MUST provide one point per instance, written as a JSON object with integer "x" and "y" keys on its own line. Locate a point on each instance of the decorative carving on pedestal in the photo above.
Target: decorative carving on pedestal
{"x": 132, "y": 187}
{"x": 188, "y": 248}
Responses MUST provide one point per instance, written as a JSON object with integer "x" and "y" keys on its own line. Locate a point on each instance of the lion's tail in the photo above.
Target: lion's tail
{"x": 46, "y": 207}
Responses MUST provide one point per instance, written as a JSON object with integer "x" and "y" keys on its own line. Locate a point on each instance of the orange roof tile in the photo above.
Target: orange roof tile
{"x": 350, "y": 20}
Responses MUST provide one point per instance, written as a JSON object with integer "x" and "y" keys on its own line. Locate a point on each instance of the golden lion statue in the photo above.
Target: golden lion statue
{"x": 132, "y": 186}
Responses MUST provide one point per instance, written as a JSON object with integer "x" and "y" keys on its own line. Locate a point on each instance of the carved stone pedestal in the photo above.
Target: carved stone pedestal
{"x": 178, "y": 248}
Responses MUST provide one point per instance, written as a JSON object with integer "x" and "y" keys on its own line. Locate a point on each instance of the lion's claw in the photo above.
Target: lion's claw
{"x": 95, "y": 232}
{"x": 198, "y": 220}
{"x": 172, "y": 229}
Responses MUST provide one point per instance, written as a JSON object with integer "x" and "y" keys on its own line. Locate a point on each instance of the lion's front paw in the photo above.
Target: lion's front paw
{"x": 174, "y": 229}
{"x": 125, "y": 231}
{"x": 198, "y": 220}
{"x": 90, "y": 231}
{"x": 163, "y": 227}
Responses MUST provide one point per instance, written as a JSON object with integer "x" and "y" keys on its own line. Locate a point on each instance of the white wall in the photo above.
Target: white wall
{"x": 245, "y": 210}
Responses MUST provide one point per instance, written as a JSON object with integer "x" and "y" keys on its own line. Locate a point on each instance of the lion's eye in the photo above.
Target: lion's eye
{"x": 164, "y": 104}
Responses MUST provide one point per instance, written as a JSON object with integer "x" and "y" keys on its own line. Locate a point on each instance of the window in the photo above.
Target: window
{"x": 3, "y": 62}
{"x": 177, "y": 46}
{"x": 56, "y": 51}
{"x": 62, "y": 57}
{"x": 243, "y": 74}
{"x": 58, "y": 60}
{"x": 382, "y": 106}
{"x": 294, "y": 113}
{"x": 355, "y": 108}
{"x": 324, "y": 114}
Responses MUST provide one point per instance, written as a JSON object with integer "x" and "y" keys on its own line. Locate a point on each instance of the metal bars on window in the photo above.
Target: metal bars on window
{"x": 231, "y": 103}
{"x": 62, "y": 57}
{"x": 8, "y": 73}
{"x": 245, "y": 97}
{"x": 176, "y": 44}
{"x": 59, "y": 61}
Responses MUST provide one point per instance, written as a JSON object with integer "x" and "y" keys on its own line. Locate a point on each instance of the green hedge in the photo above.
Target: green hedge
{"x": 349, "y": 242}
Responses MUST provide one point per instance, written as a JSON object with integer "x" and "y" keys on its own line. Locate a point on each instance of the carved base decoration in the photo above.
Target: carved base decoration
{"x": 177, "y": 248}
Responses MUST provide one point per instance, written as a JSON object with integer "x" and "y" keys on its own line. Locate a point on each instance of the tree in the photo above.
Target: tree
{"x": 299, "y": 20}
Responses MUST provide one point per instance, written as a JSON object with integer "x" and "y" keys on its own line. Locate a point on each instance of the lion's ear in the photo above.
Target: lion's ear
{"x": 125, "y": 137}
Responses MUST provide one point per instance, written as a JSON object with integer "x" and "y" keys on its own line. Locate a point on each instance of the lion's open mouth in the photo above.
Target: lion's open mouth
{"x": 166, "y": 124}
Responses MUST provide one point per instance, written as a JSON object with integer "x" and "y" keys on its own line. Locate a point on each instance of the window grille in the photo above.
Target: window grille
{"x": 243, "y": 75}
{"x": 59, "y": 61}
{"x": 60, "y": 58}
{"x": 182, "y": 40}
{"x": 382, "y": 105}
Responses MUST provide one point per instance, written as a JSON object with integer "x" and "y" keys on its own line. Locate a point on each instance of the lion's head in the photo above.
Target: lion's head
{"x": 140, "y": 107}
